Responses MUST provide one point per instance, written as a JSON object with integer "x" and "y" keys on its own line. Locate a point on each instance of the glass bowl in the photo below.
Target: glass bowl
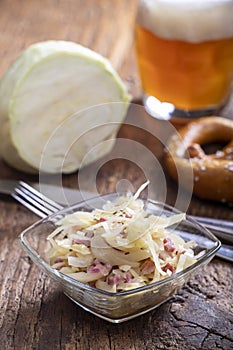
{"x": 120, "y": 306}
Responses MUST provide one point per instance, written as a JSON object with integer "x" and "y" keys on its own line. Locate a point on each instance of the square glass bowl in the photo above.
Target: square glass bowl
{"x": 120, "y": 306}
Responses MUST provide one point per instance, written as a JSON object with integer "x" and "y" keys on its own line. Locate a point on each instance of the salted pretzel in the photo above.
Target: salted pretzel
{"x": 212, "y": 174}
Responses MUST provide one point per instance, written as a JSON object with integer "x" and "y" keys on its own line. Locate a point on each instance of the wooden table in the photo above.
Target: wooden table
{"x": 34, "y": 312}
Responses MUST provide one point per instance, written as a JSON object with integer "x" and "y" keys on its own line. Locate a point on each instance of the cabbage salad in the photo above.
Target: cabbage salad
{"x": 119, "y": 247}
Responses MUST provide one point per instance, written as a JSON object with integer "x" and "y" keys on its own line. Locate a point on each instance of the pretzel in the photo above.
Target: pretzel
{"x": 212, "y": 173}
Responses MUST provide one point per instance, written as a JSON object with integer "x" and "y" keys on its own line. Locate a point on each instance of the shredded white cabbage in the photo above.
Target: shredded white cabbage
{"x": 120, "y": 247}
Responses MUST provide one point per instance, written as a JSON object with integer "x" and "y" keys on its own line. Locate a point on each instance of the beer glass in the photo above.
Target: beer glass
{"x": 185, "y": 56}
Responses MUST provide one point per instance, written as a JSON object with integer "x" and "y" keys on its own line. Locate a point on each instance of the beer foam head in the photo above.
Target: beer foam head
{"x": 188, "y": 20}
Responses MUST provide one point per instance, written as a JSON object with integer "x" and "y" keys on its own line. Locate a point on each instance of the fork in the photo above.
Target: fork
{"x": 44, "y": 206}
{"x": 34, "y": 200}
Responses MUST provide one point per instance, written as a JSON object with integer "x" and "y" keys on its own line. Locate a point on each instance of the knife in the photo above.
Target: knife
{"x": 60, "y": 194}
{"x": 66, "y": 196}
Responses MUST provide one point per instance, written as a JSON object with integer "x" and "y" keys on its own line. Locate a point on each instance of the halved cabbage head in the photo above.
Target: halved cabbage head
{"x": 59, "y": 103}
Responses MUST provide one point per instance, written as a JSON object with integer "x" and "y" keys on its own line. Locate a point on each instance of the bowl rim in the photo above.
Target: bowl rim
{"x": 63, "y": 278}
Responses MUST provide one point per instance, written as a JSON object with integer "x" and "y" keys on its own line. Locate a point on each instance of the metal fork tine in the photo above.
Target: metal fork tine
{"x": 40, "y": 198}
{"x": 24, "y": 194}
{"x": 29, "y": 206}
{"x": 34, "y": 200}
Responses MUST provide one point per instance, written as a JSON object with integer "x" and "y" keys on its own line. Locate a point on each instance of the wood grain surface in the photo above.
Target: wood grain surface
{"x": 34, "y": 313}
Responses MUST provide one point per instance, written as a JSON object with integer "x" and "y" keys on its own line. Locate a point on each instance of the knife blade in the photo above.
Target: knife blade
{"x": 67, "y": 196}
{"x": 63, "y": 195}
{"x": 60, "y": 194}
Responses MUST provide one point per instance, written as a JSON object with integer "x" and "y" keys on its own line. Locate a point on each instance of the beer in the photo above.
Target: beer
{"x": 185, "y": 51}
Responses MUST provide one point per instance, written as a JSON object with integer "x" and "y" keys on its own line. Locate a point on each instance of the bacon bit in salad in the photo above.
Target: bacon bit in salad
{"x": 169, "y": 245}
{"x": 115, "y": 280}
{"x": 169, "y": 267}
{"x": 102, "y": 219}
{"x": 147, "y": 267}
{"x": 128, "y": 277}
{"x": 57, "y": 260}
{"x": 97, "y": 267}
{"x": 58, "y": 263}
{"x": 89, "y": 234}
{"x": 128, "y": 216}
{"x": 86, "y": 242}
